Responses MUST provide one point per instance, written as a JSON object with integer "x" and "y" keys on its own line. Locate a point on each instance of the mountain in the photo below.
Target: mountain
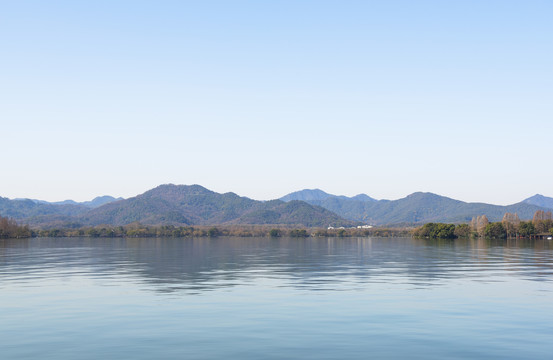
{"x": 418, "y": 208}
{"x": 347, "y": 207}
{"x": 94, "y": 203}
{"x": 422, "y": 207}
{"x": 294, "y": 212}
{"x": 100, "y": 200}
{"x": 319, "y": 195}
{"x": 196, "y": 205}
{"x": 26, "y": 208}
{"x": 306, "y": 195}
{"x": 362, "y": 197}
{"x": 178, "y": 204}
{"x": 540, "y": 200}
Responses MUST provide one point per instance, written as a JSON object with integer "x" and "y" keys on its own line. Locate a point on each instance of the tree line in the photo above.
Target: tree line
{"x": 140, "y": 230}
{"x": 10, "y": 229}
{"x": 509, "y": 227}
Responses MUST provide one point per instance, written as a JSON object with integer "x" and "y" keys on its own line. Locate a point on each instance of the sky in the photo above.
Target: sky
{"x": 263, "y": 98}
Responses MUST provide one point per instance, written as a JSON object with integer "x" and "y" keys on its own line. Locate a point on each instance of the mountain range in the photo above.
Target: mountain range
{"x": 196, "y": 205}
{"x": 94, "y": 203}
{"x": 417, "y": 208}
{"x": 175, "y": 205}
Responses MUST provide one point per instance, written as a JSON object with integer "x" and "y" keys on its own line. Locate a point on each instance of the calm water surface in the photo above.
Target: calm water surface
{"x": 275, "y": 299}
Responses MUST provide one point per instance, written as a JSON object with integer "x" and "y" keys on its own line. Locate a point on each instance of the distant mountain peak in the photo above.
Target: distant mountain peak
{"x": 536, "y": 197}
{"x": 362, "y": 197}
{"x": 168, "y": 189}
{"x": 320, "y": 195}
{"x": 540, "y": 200}
{"x": 307, "y": 195}
{"x": 428, "y": 195}
{"x": 422, "y": 193}
{"x": 100, "y": 200}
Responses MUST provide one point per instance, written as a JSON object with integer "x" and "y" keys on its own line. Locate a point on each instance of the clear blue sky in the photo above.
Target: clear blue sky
{"x": 267, "y": 97}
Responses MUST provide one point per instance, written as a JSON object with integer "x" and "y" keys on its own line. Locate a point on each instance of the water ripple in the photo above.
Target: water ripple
{"x": 198, "y": 265}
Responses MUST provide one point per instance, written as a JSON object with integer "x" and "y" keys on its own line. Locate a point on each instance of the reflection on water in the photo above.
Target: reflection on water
{"x": 173, "y": 298}
{"x": 332, "y": 264}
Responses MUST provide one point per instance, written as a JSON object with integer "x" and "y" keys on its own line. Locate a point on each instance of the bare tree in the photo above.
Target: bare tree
{"x": 511, "y": 223}
{"x": 481, "y": 223}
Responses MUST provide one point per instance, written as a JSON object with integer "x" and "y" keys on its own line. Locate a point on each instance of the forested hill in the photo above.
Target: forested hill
{"x": 196, "y": 205}
{"x": 418, "y": 208}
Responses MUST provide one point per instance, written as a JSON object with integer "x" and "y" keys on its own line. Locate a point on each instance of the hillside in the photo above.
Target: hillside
{"x": 171, "y": 204}
{"x": 294, "y": 212}
{"x": 419, "y": 208}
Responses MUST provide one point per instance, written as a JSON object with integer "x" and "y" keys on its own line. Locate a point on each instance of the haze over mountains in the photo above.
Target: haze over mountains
{"x": 196, "y": 205}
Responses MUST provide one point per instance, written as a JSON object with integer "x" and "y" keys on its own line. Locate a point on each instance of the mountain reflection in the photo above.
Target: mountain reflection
{"x": 201, "y": 264}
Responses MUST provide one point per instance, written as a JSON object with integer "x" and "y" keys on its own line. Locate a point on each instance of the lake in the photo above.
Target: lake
{"x": 283, "y": 298}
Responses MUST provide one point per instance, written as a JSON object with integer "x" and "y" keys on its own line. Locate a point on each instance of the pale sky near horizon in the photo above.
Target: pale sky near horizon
{"x": 263, "y": 98}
